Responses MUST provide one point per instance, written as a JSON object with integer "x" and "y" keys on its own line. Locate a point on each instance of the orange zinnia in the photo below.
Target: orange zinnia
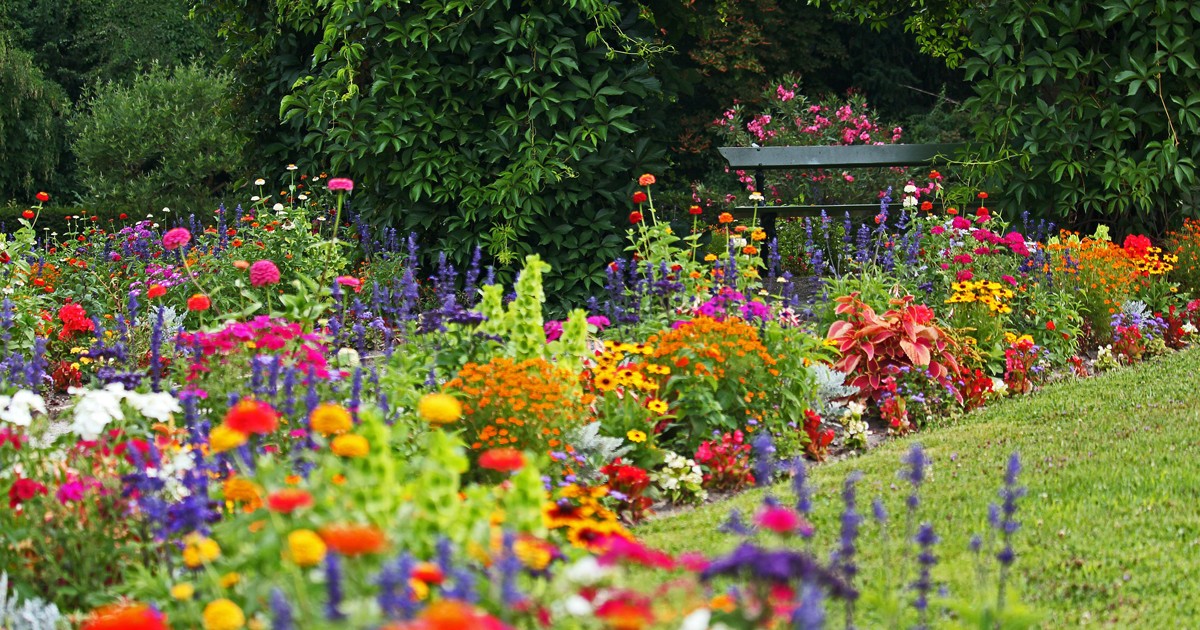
{"x": 354, "y": 540}
{"x": 252, "y": 416}
{"x": 289, "y": 500}
{"x": 125, "y": 616}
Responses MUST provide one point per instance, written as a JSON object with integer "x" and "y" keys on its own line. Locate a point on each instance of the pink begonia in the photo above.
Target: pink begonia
{"x": 341, "y": 183}
{"x": 263, "y": 273}
{"x": 176, "y": 238}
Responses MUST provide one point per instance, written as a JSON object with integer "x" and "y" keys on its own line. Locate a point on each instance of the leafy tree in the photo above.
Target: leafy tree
{"x": 518, "y": 125}
{"x": 940, "y": 27}
{"x": 32, "y": 125}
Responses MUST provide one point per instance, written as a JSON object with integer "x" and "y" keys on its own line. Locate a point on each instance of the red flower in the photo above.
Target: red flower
{"x": 1050, "y": 325}
{"x": 23, "y": 490}
{"x": 43, "y": 197}
{"x": 635, "y": 217}
{"x": 156, "y": 291}
{"x": 123, "y": 216}
{"x": 951, "y": 211}
{"x": 353, "y": 540}
{"x": 502, "y": 459}
{"x": 639, "y": 197}
{"x": 74, "y": 319}
{"x": 252, "y": 416}
{"x": 646, "y": 180}
{"x": 428, "y": 573}
{"x": 926, "y": 206}
{"x": 199, "y": 302}
{"x": 695, "y": 210}
{"x": 289, "y": 500}
{"x": 982, "y": 195}
{"x": 125, "y": 616}
{"x": 28, "y": 214}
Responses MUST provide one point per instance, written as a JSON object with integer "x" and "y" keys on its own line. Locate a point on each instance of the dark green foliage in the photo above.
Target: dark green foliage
{"x": 1096, "y": 104}
{"x": 32, "y": 115}
{"x": 517, "y": 126}
{"x": 168, "y": 139}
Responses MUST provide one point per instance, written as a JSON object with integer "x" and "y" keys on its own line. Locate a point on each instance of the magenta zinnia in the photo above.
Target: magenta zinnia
{"x": 341, "y": 183}
{"x": 176, "y": 238}
{"x": 263, "y": 273}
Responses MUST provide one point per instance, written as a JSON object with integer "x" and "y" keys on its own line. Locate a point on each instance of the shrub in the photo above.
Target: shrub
{"x": 167, "y": 139}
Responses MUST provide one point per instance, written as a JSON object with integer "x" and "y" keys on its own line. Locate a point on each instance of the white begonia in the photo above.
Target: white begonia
{"x": 156, "y": 406}
{"x": 856, "y": 408}
{"x": 95, "y": 409}
{"x": 18, "y": 408}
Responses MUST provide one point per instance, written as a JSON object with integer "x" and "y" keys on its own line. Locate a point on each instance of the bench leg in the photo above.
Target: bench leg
{"x": 768, "y": 225}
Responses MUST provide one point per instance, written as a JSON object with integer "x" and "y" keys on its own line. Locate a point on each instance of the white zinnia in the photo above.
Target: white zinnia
{"x": 156, "y": 406}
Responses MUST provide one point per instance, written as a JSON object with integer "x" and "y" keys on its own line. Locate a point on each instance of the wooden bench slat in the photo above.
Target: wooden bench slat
{"x": 854, "y": 156}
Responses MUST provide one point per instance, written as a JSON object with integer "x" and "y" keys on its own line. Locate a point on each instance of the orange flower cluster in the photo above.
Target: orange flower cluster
{"x": 705, "y": 346}
{"x": 522, "y": 405}
{"x": 1103, "y": 272}
{"x": 1185, "y": 246}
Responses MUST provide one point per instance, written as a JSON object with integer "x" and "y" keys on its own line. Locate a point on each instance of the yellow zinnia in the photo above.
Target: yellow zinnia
{"x": 439, "y": 409}
{"x": 222, "y": 438}
{"x": 222, "y": 614}
{"x": 330, "y": 419}
{"x": 183, "y": 591}
{"x": 199, "y": 550}
{"x": 350, "y": 445}
{"x": 305, "y": 548}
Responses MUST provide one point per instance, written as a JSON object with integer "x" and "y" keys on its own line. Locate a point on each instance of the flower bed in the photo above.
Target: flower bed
{"x": 263, "y": 418}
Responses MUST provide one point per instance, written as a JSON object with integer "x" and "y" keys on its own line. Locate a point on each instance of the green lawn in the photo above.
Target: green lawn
{"x": 1111, "y": 532}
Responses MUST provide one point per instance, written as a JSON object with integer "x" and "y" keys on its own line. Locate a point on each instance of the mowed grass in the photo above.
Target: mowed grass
{"x": 1111, "y": 524}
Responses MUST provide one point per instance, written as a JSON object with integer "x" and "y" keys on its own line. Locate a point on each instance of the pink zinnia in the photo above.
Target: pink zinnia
{"x": 176, "y": 238}
{"x": 263, "y": 273}
{"x": 965, "y": 275}
{"x": 349, "y": 281}
{"x": 1009, "y": 279}
{"x": 341, "y": 183}
{"x": 937, "y": 229}
{"x": 782, "y": 521}
{"x": 70, "y": 491}
{"x": 960, "y": 223}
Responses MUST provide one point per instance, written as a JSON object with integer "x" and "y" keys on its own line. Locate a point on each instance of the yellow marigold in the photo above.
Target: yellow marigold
{"x": 231, "y": 579}
{"x": 183, "y": 591}
{"x": 198, "y": 550}
{"x": 439, "y": 409}
{"x": 222, "y": 438}
{"x": 350, "y": 445}
{"x": 222, "y": 614}
{"x": 330, "y": 419}
{"x": 305, "y": 548}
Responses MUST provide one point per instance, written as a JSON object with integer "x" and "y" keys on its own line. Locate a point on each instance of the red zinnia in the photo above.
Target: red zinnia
{"x": 199, "y": 302}
{"x": 289, "y": 500}
{"x": 353, "y": 540}
{"x": 502, "y": 459}
{"x": 252, "y": 416}
{"x": 23, "y": 490}
{"x": 926, "y": 206}
{"x": 639, "y": 197}
{"x": 646, "y": 180}
{"x": 695, "y": 210}
{"x": 125, "y": 616}
{"x": 123, "y": 216}
{"x": 28, "y": 214}
{"x": 43, "y": 197}
{"x": 982, "y": 195}
{"x": 156, "y": 291}
{"x": 428, "y": 573}
{"x": 635, "y": 217}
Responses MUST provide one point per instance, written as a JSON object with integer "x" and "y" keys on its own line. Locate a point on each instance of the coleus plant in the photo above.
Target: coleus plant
{"x": 870, "y": 343}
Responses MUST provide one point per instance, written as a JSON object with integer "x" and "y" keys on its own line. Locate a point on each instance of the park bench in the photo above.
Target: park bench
{"x": 761, "y": 159}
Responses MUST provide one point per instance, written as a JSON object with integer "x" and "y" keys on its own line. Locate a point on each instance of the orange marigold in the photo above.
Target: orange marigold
{"x": 354, "y": 539}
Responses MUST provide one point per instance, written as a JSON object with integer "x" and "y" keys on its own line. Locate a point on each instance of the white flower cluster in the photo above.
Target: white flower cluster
{"x": 18, "y": 408}
{"x": 856, "y": 429}
{"x": 680, "y": 479}
{"x": 96, "y": 408}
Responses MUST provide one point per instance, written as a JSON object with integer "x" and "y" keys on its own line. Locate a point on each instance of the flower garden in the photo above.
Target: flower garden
{"x": 509, "y": 346}
{"x": 259, "y": 419}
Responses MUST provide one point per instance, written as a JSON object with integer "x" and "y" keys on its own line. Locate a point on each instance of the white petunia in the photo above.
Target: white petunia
{"x": 18, "y": 409}
{"x": 156, "y": 406}
{"x": 95, "y": 409}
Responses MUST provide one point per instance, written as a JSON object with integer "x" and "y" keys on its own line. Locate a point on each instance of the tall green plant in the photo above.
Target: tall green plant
{"x": 32, "y": 129}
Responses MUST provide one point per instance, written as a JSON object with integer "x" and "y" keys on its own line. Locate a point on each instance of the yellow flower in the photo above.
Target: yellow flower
{"x": 710, "y": 258}
{"x": 239, "y": 489}
{"x": 183, "y": 591}
{"x": 350, "y": 445}
{"x": 330, "y": 419}
{"x": 222, "y": 438}
{"x": 222, "y": 614}
{"x": 419, "y": 588}
{"x": 636, "y": 436}
{"x": 758, "y": 234}
{"x": 657, "y": 406}
{"x": 439, "y": 409}
{"x": 305, "y": 548}
{"x": 199, "y": 550}
{"x": 230, "y": 580}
